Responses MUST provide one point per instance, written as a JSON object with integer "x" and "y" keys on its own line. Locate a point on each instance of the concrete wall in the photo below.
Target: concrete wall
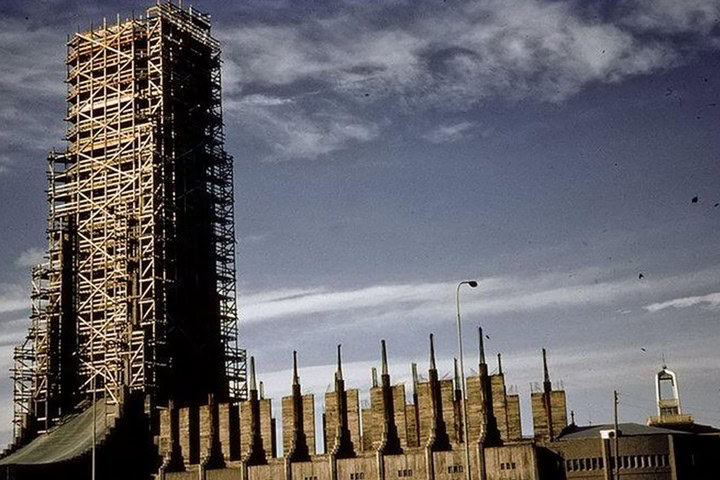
{"x": 398, "y": 396}
{"x": 514, "y": 462}
{"x": 450, "y": 410}
{"x": 353, "y": 418}
{"x": 514, "y": 422}
{"x": 308, "y": 419}
{"x": 475, "y": 407}
{"x": 540, "y": 425}
{"x": 410, "y": 465}
{"x": 499, "y": 403}
{"x": 558, "y": 403}
{"x": 558, "y": 409}
{"x": 353, "y": 406}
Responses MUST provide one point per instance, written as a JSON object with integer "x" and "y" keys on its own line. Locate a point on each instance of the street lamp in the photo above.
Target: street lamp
{"x": 472, "y": 284}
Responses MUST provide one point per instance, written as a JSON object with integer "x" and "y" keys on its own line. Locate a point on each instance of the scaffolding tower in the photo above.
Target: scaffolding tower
{"x": 138, "y": 290}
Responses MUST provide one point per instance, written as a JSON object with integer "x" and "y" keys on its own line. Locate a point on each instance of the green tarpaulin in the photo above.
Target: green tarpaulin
{"x": 69, "y": 440}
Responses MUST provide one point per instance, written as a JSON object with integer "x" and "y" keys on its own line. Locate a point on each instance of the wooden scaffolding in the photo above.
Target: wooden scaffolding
{"x": 141, "y": 241}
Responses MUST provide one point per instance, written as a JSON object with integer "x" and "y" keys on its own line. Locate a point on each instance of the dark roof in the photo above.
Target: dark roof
{"x": 69, "y": 440}
{"x": 627, "y": 429}
{"x": 691, "y": 427}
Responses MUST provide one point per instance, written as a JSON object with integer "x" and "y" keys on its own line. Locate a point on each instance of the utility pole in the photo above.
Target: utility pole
{"x": 617, "y": 434}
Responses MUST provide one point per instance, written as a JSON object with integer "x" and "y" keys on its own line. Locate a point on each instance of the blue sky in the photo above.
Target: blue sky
{"x": 386, "y": 150}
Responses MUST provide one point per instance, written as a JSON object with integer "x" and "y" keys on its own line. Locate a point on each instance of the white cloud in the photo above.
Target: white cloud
{"x": 252, "y": 239}
{"x": 671, "y": 16}
{"x": 291, "y": 131}
{"x": 541, "y": 49}
{"x": 449, "y": 133}
{"x": 447, "y": 57}
{"x": 381, "y": 304}
{"x": 342, "y": 50}
{"x": 711, "y": 300}
{"x": 13, "y": 298}
{"x": 30, "y": 257}
{"x": 32, "y": 89}
{"x": 5, "y": 162}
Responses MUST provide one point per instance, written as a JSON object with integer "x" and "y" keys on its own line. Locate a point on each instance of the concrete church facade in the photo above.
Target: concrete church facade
{"x": 420, "y": 436}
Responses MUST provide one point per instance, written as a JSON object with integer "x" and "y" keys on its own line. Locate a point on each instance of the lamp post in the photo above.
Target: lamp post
{"x": 472, "y": 284}
{"x": 94, "y": 431}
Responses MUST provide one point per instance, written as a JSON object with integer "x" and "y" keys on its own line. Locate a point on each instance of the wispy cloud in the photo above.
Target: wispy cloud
{"x": 447, "y": 56}
{"x": 32, "y": 88}
{"x": 547, "y": 50}
{"x": 30, "y": 257}
{"x": 13, "y": 298}
{"x": 450, "y": 133}
{"x": 291, "y": 130}
{"x": 252, "y": 239}
{"x": 497, "y": 295}
{"x": 711, "y": 300}
{"x": 5, "y": 162}
{"x": 669, "y": 16}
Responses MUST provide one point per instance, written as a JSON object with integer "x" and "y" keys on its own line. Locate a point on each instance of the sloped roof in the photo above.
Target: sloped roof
{"x": 68, "y": 440}
{"x": 626, "y": 429}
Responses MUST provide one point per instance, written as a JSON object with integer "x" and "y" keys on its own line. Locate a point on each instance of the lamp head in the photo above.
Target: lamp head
{"x": 472, "y": 283}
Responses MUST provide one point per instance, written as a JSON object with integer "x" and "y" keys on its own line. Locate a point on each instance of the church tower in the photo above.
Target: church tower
{"x": 137, "y": 292}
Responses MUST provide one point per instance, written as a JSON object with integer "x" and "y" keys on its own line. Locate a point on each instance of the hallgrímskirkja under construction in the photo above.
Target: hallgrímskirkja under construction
{"x": 137, "y": 293}
{"x": 131, "y": 368}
